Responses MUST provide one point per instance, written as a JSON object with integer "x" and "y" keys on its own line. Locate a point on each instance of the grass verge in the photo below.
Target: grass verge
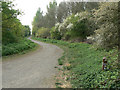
{"x": 18, "y": 48}
{"x": 84, "y": 65}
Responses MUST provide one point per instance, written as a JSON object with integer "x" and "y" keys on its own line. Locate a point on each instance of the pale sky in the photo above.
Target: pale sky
{"x": 30, "y": 7}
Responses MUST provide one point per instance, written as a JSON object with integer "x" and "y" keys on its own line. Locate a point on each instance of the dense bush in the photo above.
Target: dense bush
{"x": 78, "y": 25}
{"x": 14, "y": 48}
{"x": 106, "y": 17}
{"x": 43, "y": 33}
{"x": 55, "y": 34}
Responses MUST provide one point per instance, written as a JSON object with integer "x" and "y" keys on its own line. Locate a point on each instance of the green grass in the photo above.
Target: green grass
{"x": 16, "y": 48}
{"x": 86, "y": 65}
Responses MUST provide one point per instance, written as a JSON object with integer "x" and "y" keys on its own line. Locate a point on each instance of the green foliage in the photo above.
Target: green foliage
{"x": 48, "y": 20}
{"x": 14, "y": 48}
{"x": 27, "y": 31}
{"x": 60, "y": 60}
{"x": 65, "y": 8}
{"x": 106, "y": 17}
{"x": 86, "y": 62}
{"x": 37, "y": 21}
{"x": 55, "y": 34}
{"x": 86, "y": 65}
{"x": 78, "y": 25}
{"x": 43, "y": 33}
{"x": 12, "y": 29}
{"x": 57, "y": 13}
{"x": 79, "y": 28}
{"x": 51, "y": 14}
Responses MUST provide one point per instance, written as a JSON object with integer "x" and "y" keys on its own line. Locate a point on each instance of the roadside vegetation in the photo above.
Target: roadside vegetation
{"x": 97, "y": 23}
{"x": 13, "y": 32}
{"x": 87, "y": 31}
{"x": 16, "y": 48}
{"x": 84, "y": 64}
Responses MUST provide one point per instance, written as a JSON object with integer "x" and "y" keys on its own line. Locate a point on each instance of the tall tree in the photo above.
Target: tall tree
{"x": 37, "y": 21}
{"x": 51, "y": 13}
{"x": 11, "y": 26}
{"x": 67, "y": 8}
{"x": 62, "y": 11}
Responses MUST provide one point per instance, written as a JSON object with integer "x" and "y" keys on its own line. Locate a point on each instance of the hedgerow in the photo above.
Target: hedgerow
{"x": 14, "y": 48}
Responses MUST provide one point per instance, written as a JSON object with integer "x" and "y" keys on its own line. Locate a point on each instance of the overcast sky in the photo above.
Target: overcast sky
{"x": 30, "y": 7}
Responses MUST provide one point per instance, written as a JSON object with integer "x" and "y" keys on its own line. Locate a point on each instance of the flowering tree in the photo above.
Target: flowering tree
{"x": 78, "y": 25}
{"x": 106, "y": 36}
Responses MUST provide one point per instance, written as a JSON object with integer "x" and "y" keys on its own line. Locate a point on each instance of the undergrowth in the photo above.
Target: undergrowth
{"x": 85, "y": 70}
{"x": 15, "y": 48}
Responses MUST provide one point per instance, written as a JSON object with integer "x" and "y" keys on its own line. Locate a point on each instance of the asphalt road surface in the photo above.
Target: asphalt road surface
{"x": 32, "y": 70}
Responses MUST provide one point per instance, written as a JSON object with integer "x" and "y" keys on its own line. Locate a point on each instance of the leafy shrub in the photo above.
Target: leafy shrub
{"x": 55, "y": 34}
{"x": 43, "y": 33}
{"x": 12, "y": 28}
{"x": 9, "y": 38}
{"x": 106, "y": 36}
{"x": 78, "y": 25}
{"x": 14, "y": 48}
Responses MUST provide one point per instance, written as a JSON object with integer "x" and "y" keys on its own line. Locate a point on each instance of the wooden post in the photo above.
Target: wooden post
{"x": 104, "y": 63}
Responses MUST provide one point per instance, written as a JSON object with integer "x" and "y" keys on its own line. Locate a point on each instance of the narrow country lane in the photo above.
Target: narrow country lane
{"x": 33, "y": 70}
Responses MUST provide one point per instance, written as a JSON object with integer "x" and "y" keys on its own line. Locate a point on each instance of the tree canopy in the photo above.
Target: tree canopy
{"x": 12, "y": 28}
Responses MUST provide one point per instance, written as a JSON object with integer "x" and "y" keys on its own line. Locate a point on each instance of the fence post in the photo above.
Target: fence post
{"x": 104, "y": 63}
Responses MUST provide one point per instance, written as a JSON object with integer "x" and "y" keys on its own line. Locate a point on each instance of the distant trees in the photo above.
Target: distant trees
{"x": 97, "y": 22}
{"x": 37, "y": 21}
{"x": 47, "y": 21}
{"x": 51, "y": 14}
{"x": 43, "y": 32}
{"x": 62, "y": 11}
{"x": 27, "y": 31}
{"x": 68, "y": 8}
{"x": 57, "y": 14}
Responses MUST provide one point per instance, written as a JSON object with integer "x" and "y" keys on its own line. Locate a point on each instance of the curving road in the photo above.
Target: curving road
{"x": 32, "y": 70}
